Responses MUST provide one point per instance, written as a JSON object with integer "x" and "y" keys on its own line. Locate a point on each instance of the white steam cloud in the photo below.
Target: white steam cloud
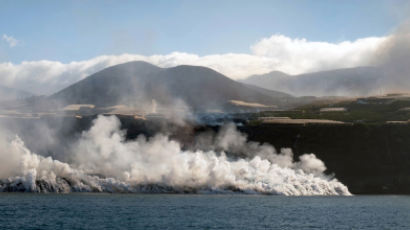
{"x": 102, "y": 160}
{"x": 295, "y": 56}
{"x": 277, "y": 52}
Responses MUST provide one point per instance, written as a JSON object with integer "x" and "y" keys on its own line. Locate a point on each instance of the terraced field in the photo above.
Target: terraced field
{"x": 384, "y": 109}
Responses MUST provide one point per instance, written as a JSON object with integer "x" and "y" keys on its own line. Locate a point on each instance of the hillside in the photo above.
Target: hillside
{"x": 387, "y": 109}
{"x": 138, "y": 84}
{"x": 359, "y": 81}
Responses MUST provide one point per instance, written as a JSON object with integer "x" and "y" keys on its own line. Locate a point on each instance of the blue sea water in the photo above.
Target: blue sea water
{"x": 131, "y": 211}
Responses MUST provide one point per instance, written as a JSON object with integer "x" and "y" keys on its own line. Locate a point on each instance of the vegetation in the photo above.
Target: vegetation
{"x": 362, "y": 110}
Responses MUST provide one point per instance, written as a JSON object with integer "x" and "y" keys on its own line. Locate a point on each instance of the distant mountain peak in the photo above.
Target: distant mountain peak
{"x": 357, "y": 81}
{"x": 138, "y": 83}
{"x": 136, "y": 64}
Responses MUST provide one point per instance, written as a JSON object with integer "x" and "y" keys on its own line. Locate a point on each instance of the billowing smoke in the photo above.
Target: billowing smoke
{"x": 102, "y": 160}
{"x": 393, "y": 58}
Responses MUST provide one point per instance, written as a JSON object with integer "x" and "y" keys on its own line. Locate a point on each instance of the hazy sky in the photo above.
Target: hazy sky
{"x": 77, "y": 30}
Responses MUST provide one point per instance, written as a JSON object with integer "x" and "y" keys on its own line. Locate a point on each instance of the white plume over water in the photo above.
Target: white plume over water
{"x": 103, "y": 161}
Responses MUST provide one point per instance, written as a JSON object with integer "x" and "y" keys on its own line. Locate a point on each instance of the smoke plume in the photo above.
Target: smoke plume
{"x": 393, "y": 57}
{"x": 102, "y": 160}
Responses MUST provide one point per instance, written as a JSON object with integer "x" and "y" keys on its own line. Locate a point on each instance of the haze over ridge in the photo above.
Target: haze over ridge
{"x": 277, "y": 52}
{"x": 138, "y": 83}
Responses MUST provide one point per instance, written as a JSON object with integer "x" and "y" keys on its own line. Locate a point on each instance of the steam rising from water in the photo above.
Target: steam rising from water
{"x": 102, "y": 160}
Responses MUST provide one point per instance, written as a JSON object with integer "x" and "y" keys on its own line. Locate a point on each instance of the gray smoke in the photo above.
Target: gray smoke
{"x": 102, "y": 160}
{"x": 393, "y": 58}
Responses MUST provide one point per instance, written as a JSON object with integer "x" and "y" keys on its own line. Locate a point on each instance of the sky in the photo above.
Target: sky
{"x": 63, "y": 41}
{"x": 76, "y": 30}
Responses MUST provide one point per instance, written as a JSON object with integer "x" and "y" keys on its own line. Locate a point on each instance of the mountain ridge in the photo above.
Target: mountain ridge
{"x": 356, "y": 81}
{"x": 139, "y": 83}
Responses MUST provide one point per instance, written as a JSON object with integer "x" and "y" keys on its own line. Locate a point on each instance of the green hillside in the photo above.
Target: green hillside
{"x": 392, "y": 108}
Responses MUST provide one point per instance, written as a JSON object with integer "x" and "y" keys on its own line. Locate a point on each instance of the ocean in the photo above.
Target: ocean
{"x": 201, "y": 211}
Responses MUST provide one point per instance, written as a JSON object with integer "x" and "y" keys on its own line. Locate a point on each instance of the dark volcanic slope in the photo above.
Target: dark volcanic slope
{"x": 136, "y": 83}
{"x": 357, "y": 81}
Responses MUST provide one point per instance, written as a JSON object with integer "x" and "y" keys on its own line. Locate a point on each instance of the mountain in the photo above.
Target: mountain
{"x": 359, "y": 81}
{"x": 140, "y": 83}
{"x": 9, "y": 94}
{"x": 268, "y": 79}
